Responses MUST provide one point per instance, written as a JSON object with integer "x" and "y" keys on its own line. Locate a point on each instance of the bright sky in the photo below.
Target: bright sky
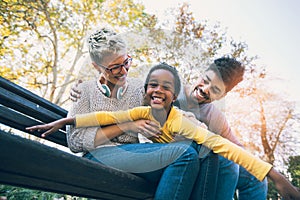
{"x": 271, "y": 28}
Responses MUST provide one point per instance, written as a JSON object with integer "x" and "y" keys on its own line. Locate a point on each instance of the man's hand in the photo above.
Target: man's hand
{"x": 75, "y": 92}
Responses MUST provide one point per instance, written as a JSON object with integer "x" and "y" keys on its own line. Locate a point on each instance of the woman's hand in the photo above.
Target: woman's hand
{"x": 145, "y": 127}
{"x": 51, "y": 127}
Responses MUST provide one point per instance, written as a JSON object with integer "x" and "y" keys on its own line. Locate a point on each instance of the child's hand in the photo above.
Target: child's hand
{"x": 49, "y": 128}
{"x": 284, "y": 187}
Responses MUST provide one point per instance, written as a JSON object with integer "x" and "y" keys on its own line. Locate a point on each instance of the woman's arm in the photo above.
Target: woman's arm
{"x": 145, "y": 127}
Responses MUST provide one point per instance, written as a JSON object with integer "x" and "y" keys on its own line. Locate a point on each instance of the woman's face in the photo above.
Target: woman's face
{"x": 160, "y": 90}
{"x": 116, "y": 71}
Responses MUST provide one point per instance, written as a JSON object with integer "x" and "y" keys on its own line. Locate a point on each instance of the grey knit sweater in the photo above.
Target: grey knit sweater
{"x": 92, "y": 99}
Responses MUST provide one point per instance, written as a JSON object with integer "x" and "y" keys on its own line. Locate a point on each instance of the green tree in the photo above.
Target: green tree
{"x": 17, "y": 193}
{"x": 294, "y": 170}
{"x": 42, "y": 48}
{"x": 268, "y": 130}
{"x": 43, "y": 41}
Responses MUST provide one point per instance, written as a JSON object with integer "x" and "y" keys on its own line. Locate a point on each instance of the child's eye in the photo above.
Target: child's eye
{"x": 153, "y": 85}
{"x": 166, "y": 87}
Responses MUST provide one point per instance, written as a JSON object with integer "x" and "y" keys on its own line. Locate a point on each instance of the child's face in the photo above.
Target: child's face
{"x": 160, "y": 90}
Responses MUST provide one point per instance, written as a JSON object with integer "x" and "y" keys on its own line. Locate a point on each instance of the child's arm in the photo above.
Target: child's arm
{"x": 52, "y": 126}
{"x": 225, "y": 148}
{"x": 231, "y": 151}
{"x": 284, "y": 187}
{"x": 100, "y": 118}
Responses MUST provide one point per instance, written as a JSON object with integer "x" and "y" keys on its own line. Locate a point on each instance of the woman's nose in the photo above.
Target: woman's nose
{"x": 124, "y": 70}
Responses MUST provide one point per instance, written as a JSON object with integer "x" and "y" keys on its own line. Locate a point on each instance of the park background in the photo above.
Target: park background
{"x": 42, "y": 48}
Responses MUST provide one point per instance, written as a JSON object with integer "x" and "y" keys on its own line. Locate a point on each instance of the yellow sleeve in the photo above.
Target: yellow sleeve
{"x": 106, "y": 118}
{"x": 224, "y": 147}
{"x": 237, "y": 154}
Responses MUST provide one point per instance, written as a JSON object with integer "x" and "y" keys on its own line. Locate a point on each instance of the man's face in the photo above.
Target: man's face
{"x": 208, "y": 88}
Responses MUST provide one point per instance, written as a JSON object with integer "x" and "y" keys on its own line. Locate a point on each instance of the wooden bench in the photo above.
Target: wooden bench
{"x": 31, "y": 164}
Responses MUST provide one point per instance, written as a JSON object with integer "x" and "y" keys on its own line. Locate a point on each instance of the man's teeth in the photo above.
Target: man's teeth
{"x": 199, "y": 93}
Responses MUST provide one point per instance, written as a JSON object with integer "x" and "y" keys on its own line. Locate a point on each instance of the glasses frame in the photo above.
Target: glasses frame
{"x": 119, "y": 66}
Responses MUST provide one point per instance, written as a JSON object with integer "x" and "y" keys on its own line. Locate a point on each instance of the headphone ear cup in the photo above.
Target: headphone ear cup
{"x": 120, "y": 93}
{"x": 106, "y": 90}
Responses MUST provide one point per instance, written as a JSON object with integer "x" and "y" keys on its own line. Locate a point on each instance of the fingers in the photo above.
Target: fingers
{"x": 47, "y": 133}
{"x": 152, "y": 124}
{"x": 150, "y": 129}
{"x": 40, "y": 128}
{"x": 78, "y": 82}
{"x": 35, "y": 128}
{"x": 74, "y": 95}
{"x": 75, "y": 92}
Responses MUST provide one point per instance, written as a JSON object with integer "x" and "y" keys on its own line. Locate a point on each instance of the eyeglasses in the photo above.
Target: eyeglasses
{"x": 116, "y": 69}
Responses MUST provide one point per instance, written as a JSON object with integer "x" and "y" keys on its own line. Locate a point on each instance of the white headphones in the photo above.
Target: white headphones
{"x": 106, "y": 91}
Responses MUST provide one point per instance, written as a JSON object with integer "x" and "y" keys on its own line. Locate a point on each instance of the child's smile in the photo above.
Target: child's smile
{"x": 157, "y": 99}
{"x": 160, "y": 90}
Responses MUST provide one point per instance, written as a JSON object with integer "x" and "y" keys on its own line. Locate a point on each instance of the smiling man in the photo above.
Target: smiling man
{"x": 220, "y": 78}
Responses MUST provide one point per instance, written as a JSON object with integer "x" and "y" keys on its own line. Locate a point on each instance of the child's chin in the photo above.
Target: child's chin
{"x": 157, "y": 106}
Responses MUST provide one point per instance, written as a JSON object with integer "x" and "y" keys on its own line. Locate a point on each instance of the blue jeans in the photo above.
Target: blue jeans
{"x": 250, "y": 188}
{"x": 206, "y": 183}
{"x": 173, "y": 167}
{"x": 227, "y": 179}
{"x": 233, "y": 178}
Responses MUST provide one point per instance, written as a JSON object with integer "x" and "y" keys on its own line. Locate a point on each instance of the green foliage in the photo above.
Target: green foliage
{"x": 294, "y": 170}
{"x": 42, "y": 48}
{"x": 272, "y": 192}
{"x": 43, "y": 41}
{"x": 17, "y": 193}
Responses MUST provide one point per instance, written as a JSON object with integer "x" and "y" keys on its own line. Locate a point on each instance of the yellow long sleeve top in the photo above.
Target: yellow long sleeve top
{"x": 179, "y": 124}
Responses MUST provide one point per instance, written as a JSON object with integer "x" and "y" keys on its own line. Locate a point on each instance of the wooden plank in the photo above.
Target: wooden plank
{"x": 18, "y": 90}
{"x": 30, "y": 164}
{"x": 39, "y": 184}
{"x": 19, "y": 121}
{"x": 23, "y": 105}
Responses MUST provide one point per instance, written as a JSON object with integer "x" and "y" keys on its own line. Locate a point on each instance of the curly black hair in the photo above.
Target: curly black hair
{"x": 169, "y": 68}
{"x": 229, "y": 70}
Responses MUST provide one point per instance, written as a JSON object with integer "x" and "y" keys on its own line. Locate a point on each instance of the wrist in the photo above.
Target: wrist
{"x": 69, "y": 121}
{"x": 125, "y": 126}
